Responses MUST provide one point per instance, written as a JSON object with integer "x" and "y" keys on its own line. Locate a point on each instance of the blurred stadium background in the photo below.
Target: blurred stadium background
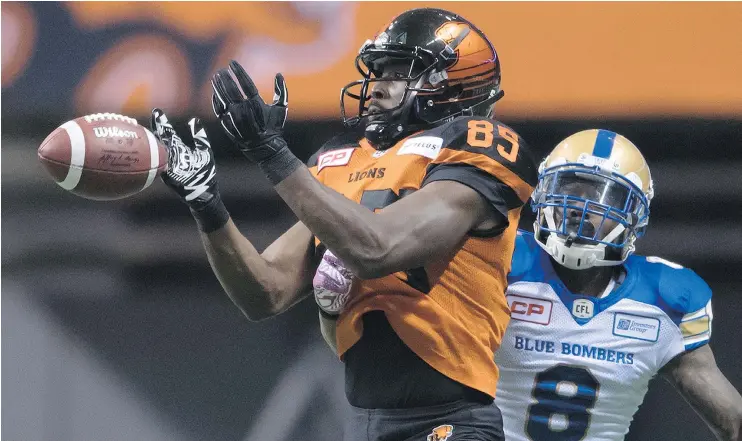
{"x": 113, "y": 326}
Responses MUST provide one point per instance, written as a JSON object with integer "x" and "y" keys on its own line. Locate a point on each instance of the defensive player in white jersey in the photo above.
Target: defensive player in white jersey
{"x": 591, "y": 323}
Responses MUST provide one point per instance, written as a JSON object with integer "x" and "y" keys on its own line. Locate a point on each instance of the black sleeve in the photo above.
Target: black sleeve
{"x": 499, "y": 195}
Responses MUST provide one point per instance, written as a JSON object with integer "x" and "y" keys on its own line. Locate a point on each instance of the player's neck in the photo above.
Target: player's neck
{"x": 589, "y": 282}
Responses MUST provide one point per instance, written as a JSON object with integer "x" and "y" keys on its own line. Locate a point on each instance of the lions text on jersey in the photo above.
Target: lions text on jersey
{"x": 574, "y": 367}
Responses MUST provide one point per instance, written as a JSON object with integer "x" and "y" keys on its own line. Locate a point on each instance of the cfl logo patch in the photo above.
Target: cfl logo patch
{"x": 583, "y": 308}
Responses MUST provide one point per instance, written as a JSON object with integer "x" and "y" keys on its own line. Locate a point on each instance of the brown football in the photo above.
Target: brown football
{"x": 103, "y": 156}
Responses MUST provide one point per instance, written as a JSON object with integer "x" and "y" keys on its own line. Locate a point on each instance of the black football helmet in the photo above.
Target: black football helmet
{"x": 453, "y": 70}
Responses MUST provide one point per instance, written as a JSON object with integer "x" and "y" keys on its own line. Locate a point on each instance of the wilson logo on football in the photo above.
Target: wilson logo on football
{"x": 334, "y": 158}
{"x": 113, "y": 132}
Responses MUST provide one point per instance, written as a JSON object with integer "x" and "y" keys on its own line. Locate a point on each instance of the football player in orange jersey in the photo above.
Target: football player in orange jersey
{"x": 418, "y": 215}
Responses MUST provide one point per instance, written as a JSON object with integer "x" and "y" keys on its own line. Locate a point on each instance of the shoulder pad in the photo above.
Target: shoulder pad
{"x": 686, "y": 296}
{"x": 491, "y": 146}
{"x": 681, "y": 289}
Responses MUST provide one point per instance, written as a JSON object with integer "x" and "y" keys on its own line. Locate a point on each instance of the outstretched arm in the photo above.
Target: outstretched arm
{"x": 407, "y": 234}
{"x": 262, "y": 284}
{"x": 698, "y": 379}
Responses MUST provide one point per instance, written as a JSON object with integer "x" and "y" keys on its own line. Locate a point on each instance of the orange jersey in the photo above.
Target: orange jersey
{"x": 452, "y": 313}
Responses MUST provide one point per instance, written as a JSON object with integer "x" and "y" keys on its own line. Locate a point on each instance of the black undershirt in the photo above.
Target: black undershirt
{"x": 381, "y": 372}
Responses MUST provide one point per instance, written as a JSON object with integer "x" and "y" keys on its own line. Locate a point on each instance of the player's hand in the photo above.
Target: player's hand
{"x": 191, "y": 171}
{"x": 256, "y": 127}
{"x": 332, "y": 283}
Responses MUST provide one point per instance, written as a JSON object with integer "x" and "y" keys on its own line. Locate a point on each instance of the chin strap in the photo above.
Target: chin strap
{"x": 383, "y": 135}
{"x": 570, "y": 239}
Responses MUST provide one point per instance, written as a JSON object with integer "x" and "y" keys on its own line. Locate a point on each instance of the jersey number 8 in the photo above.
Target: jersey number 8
{"x": 564, "y": 392}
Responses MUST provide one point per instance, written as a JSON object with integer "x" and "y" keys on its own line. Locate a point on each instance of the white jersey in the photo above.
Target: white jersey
{"x": 576, "y": 368}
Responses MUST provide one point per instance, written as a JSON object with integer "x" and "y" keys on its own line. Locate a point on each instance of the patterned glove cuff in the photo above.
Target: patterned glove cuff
{"x": 211, "y": 216}
{"x": 327, "y": 315}
{"x": 279, "y": 166}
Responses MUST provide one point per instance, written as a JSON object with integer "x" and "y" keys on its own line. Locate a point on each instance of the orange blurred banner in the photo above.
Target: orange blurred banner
{"x": 592, "y": 59}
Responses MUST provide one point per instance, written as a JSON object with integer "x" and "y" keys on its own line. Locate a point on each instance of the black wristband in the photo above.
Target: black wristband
{"x": 279, "y": 166}
{"x": 212, "y": 216}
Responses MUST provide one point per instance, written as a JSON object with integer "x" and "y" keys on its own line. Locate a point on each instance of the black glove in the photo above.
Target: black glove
{"x": 191, "y": 171}
{"x": 256, "y": 127}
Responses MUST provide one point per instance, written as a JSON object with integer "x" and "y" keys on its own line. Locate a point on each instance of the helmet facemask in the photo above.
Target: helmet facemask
{"x": 370, "y": 63}
{"x": 588, "y": 216}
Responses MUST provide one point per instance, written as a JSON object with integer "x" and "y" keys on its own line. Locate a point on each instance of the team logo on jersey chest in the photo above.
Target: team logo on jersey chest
{"x": 583, "y": 308}
{"x": 529, "y": 309}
